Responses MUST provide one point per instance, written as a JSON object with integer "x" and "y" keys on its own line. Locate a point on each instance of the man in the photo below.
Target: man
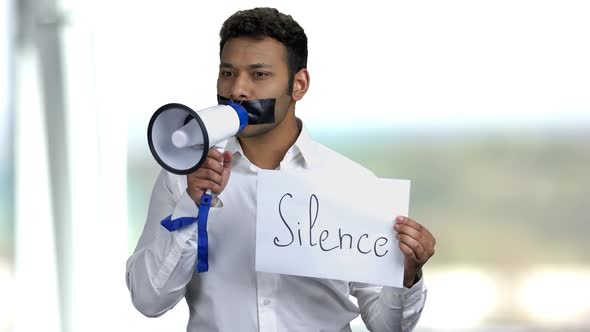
{"x": 263, "y": 55}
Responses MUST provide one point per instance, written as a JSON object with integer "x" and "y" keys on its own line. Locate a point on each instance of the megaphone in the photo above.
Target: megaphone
{"x": 179, "y": 138}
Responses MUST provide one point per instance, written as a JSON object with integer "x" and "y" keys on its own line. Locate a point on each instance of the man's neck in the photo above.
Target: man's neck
{"x": 266, "y": 151}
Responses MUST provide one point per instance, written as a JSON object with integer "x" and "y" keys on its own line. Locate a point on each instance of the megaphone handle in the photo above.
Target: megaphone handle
{"x": 208, "y": 200}
{"x": 215, "y": 201}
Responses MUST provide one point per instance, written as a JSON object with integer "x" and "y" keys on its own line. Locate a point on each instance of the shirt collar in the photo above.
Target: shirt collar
{"x": 304, "y": 145}
{"x": 233, "y": 145}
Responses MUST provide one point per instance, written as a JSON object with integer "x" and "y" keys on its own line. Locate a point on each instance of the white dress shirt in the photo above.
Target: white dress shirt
{"x": 232, "y": 296}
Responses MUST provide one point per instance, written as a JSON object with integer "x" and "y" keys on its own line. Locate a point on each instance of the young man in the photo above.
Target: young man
{"x": 263, "y": 55}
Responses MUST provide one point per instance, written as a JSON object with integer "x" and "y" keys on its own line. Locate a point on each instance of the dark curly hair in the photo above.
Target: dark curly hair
{"x": 269, "y": 22}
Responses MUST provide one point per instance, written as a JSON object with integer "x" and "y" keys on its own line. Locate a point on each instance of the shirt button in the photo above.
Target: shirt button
{"x": 266, "y": 302}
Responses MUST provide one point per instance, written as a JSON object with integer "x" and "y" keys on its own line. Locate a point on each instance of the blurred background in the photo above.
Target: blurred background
{"x": 484, "y": 105}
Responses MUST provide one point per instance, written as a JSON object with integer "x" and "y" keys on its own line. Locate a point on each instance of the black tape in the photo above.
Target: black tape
{"x": 260, "y": 111}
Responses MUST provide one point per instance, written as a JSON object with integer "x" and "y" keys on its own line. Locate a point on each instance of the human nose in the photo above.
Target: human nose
{"x": 240, "y": 89}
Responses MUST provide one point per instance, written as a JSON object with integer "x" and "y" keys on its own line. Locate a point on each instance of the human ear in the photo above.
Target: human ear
{"x": 300, "y": 84}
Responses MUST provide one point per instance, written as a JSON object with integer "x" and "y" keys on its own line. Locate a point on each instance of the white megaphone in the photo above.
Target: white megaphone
{"x": 180, "y": 138}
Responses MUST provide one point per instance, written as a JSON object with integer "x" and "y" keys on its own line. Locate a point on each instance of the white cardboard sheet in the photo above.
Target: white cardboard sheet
{"x": 328, "y": 226}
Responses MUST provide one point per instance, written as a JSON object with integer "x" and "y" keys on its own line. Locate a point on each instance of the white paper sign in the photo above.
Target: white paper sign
{"x": 331, "y": 227}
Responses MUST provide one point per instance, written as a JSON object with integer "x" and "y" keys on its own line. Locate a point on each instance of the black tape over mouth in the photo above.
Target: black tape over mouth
{"x": 260, "y": 111}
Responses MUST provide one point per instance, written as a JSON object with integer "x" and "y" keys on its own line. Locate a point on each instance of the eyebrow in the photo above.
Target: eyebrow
{"x": 252, "y": 66}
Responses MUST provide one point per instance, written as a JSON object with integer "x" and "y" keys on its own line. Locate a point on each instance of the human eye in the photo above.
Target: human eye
{"x": 225, "y": 73}
{"x": 260, "y": 74}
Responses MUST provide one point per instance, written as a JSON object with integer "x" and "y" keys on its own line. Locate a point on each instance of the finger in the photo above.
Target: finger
{"x": 213, "y": 164}
{"x": 426, "y": 235}
{"x": 407, "y": 251}
{"x": 416, "y": 246}
{"x": 209, "y": 164}
{"x": 203, "y": 184}
{"x": 410, "y": 231}
{"x": 207, "y": 174}
{"x": 227, "y": 159}
{"x": 426, "y": 241}
{"x": 227, "y": 163}
{"x": 409, "y": 222}
{"x": 215, "y": 154}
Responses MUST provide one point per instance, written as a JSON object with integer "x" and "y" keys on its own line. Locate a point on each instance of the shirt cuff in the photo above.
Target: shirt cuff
{"x": 184, "y": 239}
{"x": 185, "y": 207}
{"x": 402, "y": 297}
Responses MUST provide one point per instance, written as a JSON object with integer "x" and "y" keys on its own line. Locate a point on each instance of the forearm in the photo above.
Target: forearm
{"x": 157, "y": 274}
{"x": 163, "y": 262}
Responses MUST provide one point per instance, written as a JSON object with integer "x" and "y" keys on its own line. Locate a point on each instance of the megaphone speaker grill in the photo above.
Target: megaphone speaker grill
{"x": 163, "y": 124}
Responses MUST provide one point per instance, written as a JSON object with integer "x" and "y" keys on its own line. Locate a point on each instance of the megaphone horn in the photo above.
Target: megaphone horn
{"x": 179, "y": 138}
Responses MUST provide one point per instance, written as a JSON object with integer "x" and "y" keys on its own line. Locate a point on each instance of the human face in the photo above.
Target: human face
{"x": 256, "y": 69}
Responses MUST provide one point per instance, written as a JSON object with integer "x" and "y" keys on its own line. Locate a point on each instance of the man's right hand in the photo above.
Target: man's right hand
{"x": 213, "y": 175}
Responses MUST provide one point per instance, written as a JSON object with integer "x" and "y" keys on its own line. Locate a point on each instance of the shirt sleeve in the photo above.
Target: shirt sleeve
{"x": 390, "y": 309}
{"x": 163, "y": 262}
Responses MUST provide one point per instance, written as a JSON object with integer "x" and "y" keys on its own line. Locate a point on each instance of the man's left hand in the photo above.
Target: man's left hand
{"x": 416, "y": 243}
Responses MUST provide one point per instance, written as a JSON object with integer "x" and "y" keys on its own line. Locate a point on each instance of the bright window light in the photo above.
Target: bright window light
{"x": 552, "y": 296}
{"x": 7, "y": 298}
{"x": 34, "y": 237}
{"x": 459, "y": 298}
